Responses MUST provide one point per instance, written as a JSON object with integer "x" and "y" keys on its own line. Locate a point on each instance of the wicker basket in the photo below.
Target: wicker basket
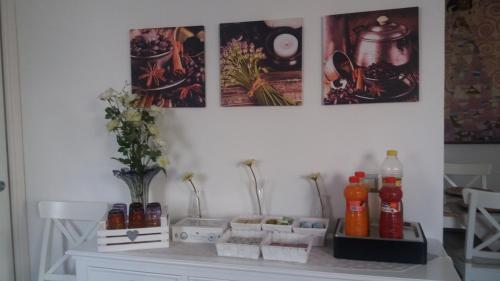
{"x": 286, "y": 253}
{"x": 237, "y": 225}
{"x": 276, "y": 227}
{"x": 248, "y": 251}
{"x": 317, "y": 233}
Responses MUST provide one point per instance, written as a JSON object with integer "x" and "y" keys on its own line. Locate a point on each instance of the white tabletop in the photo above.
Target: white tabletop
{"x": 321, "y": 263}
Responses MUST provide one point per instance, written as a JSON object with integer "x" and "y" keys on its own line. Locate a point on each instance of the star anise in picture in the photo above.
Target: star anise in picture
{"x": 184, "y": 91}
{"x": 152, "y": 74}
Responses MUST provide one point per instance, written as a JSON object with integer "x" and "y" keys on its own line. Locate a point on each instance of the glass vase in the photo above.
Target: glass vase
{"x": 138, "y": 183}
{"x": 195, "y": 208}
{"x": 319, "y": 208}
{"x": 260, "y": 198}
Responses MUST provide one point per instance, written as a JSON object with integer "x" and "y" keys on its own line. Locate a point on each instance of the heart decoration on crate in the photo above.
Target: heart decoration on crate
{"x": 132, "y": 234}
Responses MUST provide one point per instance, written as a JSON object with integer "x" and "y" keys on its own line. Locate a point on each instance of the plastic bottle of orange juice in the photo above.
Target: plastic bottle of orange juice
{"x": 356, "y": 213}
{"x": 361, "y": 176}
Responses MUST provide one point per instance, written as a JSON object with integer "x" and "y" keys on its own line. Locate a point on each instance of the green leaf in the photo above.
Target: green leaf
{"x": 122, "y": 142}
{"x": 122, "y": 149}
{"x": 122, "y": 160}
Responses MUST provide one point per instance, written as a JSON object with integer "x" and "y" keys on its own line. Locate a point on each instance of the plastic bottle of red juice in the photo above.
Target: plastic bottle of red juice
{"x": 391, "y": 210}
{"x": 356, "y": 213}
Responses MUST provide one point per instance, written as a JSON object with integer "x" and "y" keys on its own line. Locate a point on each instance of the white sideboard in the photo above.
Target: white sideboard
{"x": 199, "y": 262}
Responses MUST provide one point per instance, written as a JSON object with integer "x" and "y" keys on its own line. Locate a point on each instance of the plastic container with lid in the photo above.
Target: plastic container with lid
{"x": 356, "y": 213}
{"x": 136, "y": 217}
{"x": 391, "y": 210}
{"x": 392, "y": 167}
{"x": 116, "y": 219}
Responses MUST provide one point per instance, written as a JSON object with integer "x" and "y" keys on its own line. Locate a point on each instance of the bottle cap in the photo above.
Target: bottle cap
{"x": 359, "y": 174}
{"x": 353, "y": 179}
{"x": 115, "y": 212}
{"x": 392, "y": 152}
{"x": 390, "y": 180}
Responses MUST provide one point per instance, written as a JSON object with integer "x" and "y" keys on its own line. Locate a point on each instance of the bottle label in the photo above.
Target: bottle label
{"x": 390, "y": 207}
{"x": 397, "y": 183}
{"x": 356, "y": 206}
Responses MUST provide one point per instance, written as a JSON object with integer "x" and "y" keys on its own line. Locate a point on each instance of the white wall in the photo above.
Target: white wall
{"x": 476, "y": 153}
{"x": 72, "y": 50}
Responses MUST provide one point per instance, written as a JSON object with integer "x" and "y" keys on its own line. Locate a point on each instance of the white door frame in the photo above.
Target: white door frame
{"x": 15, "y": 151}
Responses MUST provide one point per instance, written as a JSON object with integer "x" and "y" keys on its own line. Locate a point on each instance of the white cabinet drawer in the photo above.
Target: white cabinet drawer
{"x": 104, "y": 274}
{"x": 204, "y": 279}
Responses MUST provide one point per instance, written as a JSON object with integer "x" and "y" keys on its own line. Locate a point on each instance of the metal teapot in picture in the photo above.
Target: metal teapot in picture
{"x": 385, "y": 41}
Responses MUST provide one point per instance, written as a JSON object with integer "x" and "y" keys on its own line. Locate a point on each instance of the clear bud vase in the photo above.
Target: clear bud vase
{"x": 195, "y": 207}
{"x": 260, "y": 203}
{"x": 317, "y": 212}
{"x": 320, "y": 209}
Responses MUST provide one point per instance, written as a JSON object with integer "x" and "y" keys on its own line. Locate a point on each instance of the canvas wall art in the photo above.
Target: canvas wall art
{"x": 168, "y": 66}
{"x": 472, "y": 72}
{"x": 371, "y": 57}
{"x": 261, "y": 63}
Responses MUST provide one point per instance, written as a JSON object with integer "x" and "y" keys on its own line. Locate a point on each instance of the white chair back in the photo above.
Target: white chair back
{"x": 84, "y": 211}
{"x": 61, "y": 216}
{"x": 479, "y": 200}
{"x": 475, "y": 171}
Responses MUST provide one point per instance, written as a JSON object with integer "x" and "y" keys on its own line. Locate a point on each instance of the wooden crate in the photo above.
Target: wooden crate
{"x": 133, "y": 238}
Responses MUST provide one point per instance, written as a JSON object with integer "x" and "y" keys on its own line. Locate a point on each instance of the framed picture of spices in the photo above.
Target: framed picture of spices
{"x": 371, "y": 57}
{"x": 261, "y": 63}
{"x": 168, "y": 66}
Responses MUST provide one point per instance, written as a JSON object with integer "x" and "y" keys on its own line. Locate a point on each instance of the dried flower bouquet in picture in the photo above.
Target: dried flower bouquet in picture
{"x": 261, "y": 63}
{"x": 168, "y": 66}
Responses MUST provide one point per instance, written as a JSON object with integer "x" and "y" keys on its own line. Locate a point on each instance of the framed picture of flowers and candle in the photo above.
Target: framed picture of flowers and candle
{"x": 168, "y": 66}
{"x": 261, "y": 63}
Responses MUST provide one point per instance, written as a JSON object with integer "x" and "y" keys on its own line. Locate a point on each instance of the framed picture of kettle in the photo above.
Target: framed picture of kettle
{"x": 371, "y": 57}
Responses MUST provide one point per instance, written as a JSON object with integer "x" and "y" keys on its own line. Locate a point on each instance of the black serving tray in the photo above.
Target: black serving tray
{"x": 411, "y": 249}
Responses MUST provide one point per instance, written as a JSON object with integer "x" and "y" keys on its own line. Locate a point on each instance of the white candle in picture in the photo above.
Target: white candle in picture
{"x": 286, "y": 45}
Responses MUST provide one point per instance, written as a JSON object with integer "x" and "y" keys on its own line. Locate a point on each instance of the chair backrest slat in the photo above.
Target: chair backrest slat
{"x": 450, "y": 181}
{"x": 84, "y": 211}
{"x": 476, "y": 171}
{"x": 467, "y": 169}
{"x": 61, "y": 216}
{"x": 481, "y": 200}
{"x": 64, "y": 231}
{"x": 485, "y": 199}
